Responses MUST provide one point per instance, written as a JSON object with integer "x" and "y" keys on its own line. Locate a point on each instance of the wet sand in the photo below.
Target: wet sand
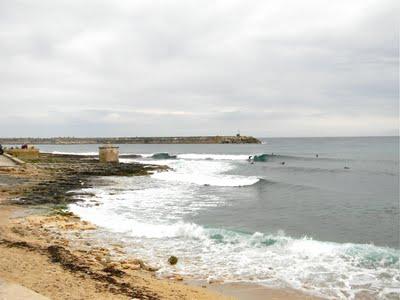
{"x": 258, "y": 292}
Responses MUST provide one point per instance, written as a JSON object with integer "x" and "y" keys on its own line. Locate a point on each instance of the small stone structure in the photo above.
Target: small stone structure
{"x": 109, "y": 154}
{"x": 25, "y": 153}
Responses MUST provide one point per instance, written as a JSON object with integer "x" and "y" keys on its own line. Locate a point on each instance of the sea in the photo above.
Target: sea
{"x": 320, "y": 215}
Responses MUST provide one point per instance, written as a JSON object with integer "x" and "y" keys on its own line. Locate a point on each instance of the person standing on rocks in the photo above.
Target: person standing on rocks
{"x": 1, "y": 150}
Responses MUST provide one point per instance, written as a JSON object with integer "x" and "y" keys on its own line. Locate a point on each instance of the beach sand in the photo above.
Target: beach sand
{"x": 258, "y": 292}
{"x": 45, "y": 264}
{"x": 48, "y": 254}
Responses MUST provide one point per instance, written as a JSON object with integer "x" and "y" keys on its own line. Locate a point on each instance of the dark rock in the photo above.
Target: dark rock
{"x": 74, "y": 173}
{"x": 173, "y": 260}
{"x": 114, "y": 271}
{"x": 163, "y": 156}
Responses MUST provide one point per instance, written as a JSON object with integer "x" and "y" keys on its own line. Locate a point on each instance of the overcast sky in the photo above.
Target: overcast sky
{"x": 149, "y": 68}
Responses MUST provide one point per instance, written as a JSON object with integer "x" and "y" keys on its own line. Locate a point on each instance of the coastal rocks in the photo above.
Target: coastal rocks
{"x": 132, "y": 265}
{"x": 114, "y": 271}
{"x": 175, "y": 277}
{"x": 62, "y": 246}
{"x": 136, "y": 264}
{"x": 130, "y": 156}
{"x": 60, "y": 222}
{"x": 173, "y": 260}
{"x": 107, "y": 278}
{"x": 57, "y": 229}
{"x": 163, "y": 156}
{"x": 118, "y": 249}
{"x": 71, "y": 172}
{"x": 77, "y": 226}
{"x": 110, "y": 274}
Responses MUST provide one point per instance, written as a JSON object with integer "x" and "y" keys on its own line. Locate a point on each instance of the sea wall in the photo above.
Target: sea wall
{"x": 31, "y": 153}
{"x": 134, "y": 140}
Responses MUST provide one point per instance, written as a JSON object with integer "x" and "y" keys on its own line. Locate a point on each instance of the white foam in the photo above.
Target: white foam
{"x": 205, "y": 156}
{"x": 323, "y": 268}
{"x": 146, "y": 155}
{"x": 206, "y": 179}
{"x": 204, "y": 173}
{"x": 149, "y": 213}
{"x": 199, "y": 172}
{"x": 139, "y": 229}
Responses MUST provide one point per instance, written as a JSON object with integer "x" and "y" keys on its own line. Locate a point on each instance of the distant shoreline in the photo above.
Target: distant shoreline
{"x": 134, "y": 140}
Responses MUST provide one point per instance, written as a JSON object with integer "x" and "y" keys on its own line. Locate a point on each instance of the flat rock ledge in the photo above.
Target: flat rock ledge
{"x": 66, "y": 173}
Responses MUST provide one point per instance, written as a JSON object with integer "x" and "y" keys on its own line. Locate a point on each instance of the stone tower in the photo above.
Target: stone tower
{"x": 109, "y": 154}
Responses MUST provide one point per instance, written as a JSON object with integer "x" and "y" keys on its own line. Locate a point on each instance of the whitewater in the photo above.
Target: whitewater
{"x": 309, "y": 224}
{"x": 155, "y": 216}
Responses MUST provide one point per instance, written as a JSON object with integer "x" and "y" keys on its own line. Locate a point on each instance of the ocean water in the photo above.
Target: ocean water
{"x": 326, "y": 225}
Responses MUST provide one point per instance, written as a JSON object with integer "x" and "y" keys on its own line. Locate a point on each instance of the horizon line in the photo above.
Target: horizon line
{"x": 175, "y": 136}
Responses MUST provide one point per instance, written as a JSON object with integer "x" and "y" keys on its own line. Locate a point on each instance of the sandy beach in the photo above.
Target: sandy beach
{"x": 47, "y": 250}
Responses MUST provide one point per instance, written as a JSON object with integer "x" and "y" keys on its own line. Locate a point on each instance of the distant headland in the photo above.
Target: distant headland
{"x": 237, "y": 139}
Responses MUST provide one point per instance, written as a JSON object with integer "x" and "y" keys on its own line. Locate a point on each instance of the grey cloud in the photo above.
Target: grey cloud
{"x": 227, "y": 65}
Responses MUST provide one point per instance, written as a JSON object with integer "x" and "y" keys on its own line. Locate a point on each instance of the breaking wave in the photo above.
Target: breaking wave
{"x": 151, "y": 214}
{"x": 201, "y": 172}
{"x": 328, "y": 269}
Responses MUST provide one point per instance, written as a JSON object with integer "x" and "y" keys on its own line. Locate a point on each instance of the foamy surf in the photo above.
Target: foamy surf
{"x": 199, "y": 172}
{"x": 204, "y": 156}
{"x": 328, "y": 269}
{"x": 156, "y": 217}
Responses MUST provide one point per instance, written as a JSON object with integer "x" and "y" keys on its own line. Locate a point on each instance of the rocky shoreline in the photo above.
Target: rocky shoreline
{"x": 49, "y": 250}
{"x": 66, "y": 173}
{"x": 39, "y": 193}
{"x": 92, "y": 262}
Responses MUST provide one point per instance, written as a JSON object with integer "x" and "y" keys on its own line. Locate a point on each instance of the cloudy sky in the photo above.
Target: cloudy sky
{"x": 149, "y": 68}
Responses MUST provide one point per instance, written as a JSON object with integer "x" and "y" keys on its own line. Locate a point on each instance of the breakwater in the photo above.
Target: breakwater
{"x": 133, "y": 140}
